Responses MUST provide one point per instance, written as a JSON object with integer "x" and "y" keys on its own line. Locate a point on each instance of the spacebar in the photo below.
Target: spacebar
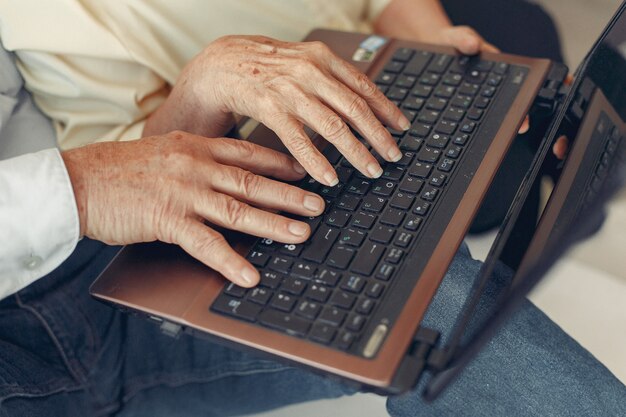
{"x": 321, "y": 243}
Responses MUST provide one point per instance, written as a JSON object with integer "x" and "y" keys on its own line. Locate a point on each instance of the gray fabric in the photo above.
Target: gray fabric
{"x": 23, "y": 128}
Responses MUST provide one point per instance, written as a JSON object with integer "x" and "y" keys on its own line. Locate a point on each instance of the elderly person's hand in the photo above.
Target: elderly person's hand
{"x": 285, "y": 85}
{"x": 166, "y": 187}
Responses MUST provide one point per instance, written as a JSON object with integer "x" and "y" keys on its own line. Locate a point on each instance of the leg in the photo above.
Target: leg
{"x": 531, "y": 367}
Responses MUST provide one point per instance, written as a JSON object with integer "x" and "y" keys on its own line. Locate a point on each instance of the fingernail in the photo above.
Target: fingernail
{"x": 374, "y": 170}
{"x": 405, "y": 124}
{"x": 298, "y": 168}
{"x": 249, "y": 276}
{"x": 395, "y": 155}
{"x": 313, "y": 203}
{"x": 331, "y": 179}
{"x": 297, "y": 228}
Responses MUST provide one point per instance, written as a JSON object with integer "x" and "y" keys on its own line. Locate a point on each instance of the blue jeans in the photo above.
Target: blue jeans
{"x": 64, "y": 354}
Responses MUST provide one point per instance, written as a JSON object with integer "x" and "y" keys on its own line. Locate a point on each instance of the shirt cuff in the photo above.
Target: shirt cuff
{"x": 39, "y": 225}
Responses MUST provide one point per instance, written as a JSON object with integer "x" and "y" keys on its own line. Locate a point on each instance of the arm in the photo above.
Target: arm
{"x": 426, "y": 21}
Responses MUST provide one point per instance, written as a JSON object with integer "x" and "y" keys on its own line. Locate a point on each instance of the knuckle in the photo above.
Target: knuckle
{"x": 210, "y": 244}
{"x": 236, "y": 212}
{"x": 364, "y": 85}
{"x": 319, "y": 47}
{"x": 333, "y": 127}
{"x": 248, "y": 183}
{"x": 358, "y": 108}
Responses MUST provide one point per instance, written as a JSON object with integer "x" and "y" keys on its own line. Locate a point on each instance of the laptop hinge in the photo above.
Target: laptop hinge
{"x": 414, "y": 362}
{"x": 551, "y": 93}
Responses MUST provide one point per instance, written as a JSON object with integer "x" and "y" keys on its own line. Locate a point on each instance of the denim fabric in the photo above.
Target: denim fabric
{"x": 64, "y": 354}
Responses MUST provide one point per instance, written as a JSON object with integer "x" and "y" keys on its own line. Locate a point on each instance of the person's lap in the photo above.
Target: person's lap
{"x": 103, "y": 362}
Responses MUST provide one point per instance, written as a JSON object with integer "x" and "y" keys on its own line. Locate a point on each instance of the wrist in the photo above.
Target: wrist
{"x": 75, "y": 170}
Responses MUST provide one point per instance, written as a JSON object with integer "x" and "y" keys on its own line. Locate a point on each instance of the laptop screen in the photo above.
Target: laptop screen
{"x": 592, "y": 118}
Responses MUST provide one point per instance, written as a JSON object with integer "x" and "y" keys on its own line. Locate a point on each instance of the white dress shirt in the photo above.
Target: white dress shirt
{"x": 38, "y": 215}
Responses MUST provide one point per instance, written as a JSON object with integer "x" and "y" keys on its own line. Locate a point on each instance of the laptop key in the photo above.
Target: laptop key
{"x": 384, "y": 272}
{"x": 304, "y": 270}
{"x": 258, "y": 258}
{"x": 332, "y": 316}
{"x": 340, "y": 257}
{"x": 412, "y": 223}
{"x": 429, "y": 193}
{"x": 293, "y": 285}
{"x": 355, "y": 322}
{"x": 402, "y": 201}
{"x": 365, "y": 305}
{"x": 317, "y": 292}
{"x": 403, "y": 239}
{"x": 353, "y": 283}
{"x": 328, "y": 277}
{"x": 271, "y": 280}
{"x": 236, "y": 308}
{"x": 417, "y": 64}
{"x": 358, "y": 186}
{"x": 280, "y": 264}
{"x": 338, "y": 218}
{"x": 322, "y": 333}
{"x": 421, "y": 208}
{"x": 363, "y": 220}
{"x": 292, "y": 249}
{"x": 367, "y": 258}
{"x": 342, "y": 300}
{"x": 422, "y": 91}
{"x": 285, "y": 322}
{"x": 428, "y": 154}
{"x": 420, "y": 170}
{"x": 446, "y": 165}
{"x": 383, "y": 187}
{"x": 344, "y": 340}
{"x": 308, "y": 309}
{"x": 411, "y": 185}
{"x": 284, "y": 302}
{"x": 403, "y": 54}
{"x": 234, "y": 290}
{"x": 410, "y": 143}
{"x": 320, "y": 244}
{"x": 394, "y": 255}
{"x": 382, "y": 234}
{"x": 374, "y": 289}
{"x": 260, "y": 295}
{"x": 392, "y": 217}
{"x": 373, "y": 203}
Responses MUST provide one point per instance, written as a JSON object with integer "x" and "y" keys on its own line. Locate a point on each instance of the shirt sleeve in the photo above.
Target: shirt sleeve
{"x": 39, "y": 225}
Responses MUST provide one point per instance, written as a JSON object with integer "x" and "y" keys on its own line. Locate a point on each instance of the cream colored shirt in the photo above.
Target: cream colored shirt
{"x": 98, "y": 68}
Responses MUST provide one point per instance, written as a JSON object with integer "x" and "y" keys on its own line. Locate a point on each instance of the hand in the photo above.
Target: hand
{"x": 464, "y": 38}
{"x": 285, "y": 86}
{"x": 165, "y": 188}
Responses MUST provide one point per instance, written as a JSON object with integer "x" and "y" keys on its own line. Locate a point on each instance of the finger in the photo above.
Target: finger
{"x": 255, "y": 158}
{"x": 210, "y": 248}
{"x": 330, "y": 126}
{"x": 226, "y": 211}
{"x": 489, "y": 47}
{"x": 357, "y": 112}
{"x": 560, "y": 147}
{"x": 569, "y": 79}
{"x": 255, "y": 189}
{"x": 292, "y": 134}
{"x": 358, "y": 82}
{"x": 525, "y": 127}
{"x": 465, "y": 39}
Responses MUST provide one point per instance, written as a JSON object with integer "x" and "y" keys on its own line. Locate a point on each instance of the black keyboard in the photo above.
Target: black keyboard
{"x": 329, "y": 289}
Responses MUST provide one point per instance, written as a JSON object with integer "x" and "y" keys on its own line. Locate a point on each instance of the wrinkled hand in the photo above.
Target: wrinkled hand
{"x": 165, "y": 188}
{"x": 285, "y": 86}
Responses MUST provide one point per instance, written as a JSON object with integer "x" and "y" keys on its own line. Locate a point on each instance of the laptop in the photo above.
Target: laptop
{"x": 349, "y": 302}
